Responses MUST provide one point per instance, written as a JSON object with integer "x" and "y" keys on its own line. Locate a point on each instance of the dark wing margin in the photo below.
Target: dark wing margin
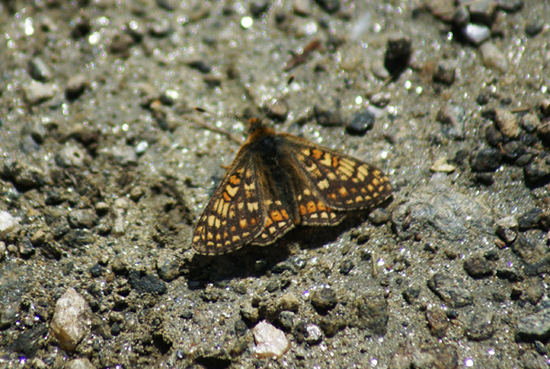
{"x": 343, "y": 182}
{"x": 235, "y": 215}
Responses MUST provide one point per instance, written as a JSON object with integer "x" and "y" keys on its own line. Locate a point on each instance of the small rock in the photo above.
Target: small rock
{"x": 250, "y": 313}
{"x": 39, "y": 70}
{"x": 76, "y": 86}
{"x": 437, "y": 322}
{"x": 537, "y": 173}
{"x": 96, "y": 271}
{"x": 288, "y": 302}
{"x": 513, "y": 150}
{"x": 510, "y": 6}
{"x": 476, "y": 33}
{"x": 2, "y": 250}
{"x": 507, "y": 229}
{"x": 124, "y": 155}
{"x": 450, "y": 290}
{"x": 411, "y": 294}
{"x": 485, "y": 160}
{"x": 346, "y": 266}
{"x": 286, "y": 320}
{"x": 136, "y": 193}
{"x": 534, "y": 28}
{"x": 478, "y": 267}
{"x": 301, "y": 7}
{"x": 270, "y": 341}
{"x": 534, "y": 326}
{"x": 36, "y": 92}
{"x": 435, "y": 356}
{"x": 379, "y": 216}
{"x": 314, "y": 334}
{"x": 72, "y": 320}
{"x": 398, "y": 53}
{"x": 168, "y": 267}
{"x": 533, "y": 292}
{"x": 360, "y": 123}
{"x": 445, "y": 72}
{"x": 507, "y": 123}
{"x": 7, "y": 223}
{"x": 482, "y": 326}
{"x": 80, "y": 364}
{"x": 147, "y": 283}
{"x": 372, "y": 313}
{"x": 70, "y": 156}
{"x": 26, "y": 248}
{"x": 530, "y": 122}
{"x": 442, "y": 166}
{"x": 200, "y": 66}
{"x": 461, "y": 17}
{"x": 330, "y": 6}
{"x": 326, "y": 117}
{"x": 259, "y": 7}
{"x": 82, "y": 218}
{"x": 324, "y": 299}
{"x": 141, "y": 147}
{"x": 485, "y": 179}
{"x": 483, "y": 11}
{"x": 452, "y": 117}
{"x": 493, "y": 58}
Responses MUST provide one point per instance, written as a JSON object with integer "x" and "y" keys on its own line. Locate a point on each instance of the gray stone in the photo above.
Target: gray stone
{"x": 507, "y": 229}
{"x": 324, "y": 299}
{"x": 453, "y": 118}
{"x": 70, "y": 156}
{"x": 39, "y": 70}
{"x": 450, "y": 290}
{"x": 482, "y": 326}
{"x": 445, "y": 72}
{"x": 493, "y": 58}
{"x": 507, "y": 123}
{"x": 534, "y": 326}
{"x": 372, "y": 313}
{"x": 76, "y": 86}
{"x": 82, "y": 218}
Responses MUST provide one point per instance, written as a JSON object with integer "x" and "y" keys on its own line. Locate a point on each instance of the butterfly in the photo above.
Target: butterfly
{"x": 278, "y": 181}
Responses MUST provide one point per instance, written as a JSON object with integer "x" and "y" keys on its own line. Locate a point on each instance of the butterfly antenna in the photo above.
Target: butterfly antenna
{"x": 216, "y": 129}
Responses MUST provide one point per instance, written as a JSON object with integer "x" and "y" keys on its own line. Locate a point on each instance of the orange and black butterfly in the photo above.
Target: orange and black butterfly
{"x": 278, "y": 181}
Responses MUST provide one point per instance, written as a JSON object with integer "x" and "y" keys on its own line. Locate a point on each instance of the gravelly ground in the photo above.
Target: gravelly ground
{"x": 105, "y": 169}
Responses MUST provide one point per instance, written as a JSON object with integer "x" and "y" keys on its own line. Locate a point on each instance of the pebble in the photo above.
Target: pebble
{"x": 146, "y": 283}
{"x": 314, "y": 334}
{"x": 96, "y": 271}
{"x": 124, "y": 155}
{"x": 533, "y": 291}
{"x": 445, "y": 72}
{"x": 483, "y": 11}
{"x": 411, "y": 294}
{"x": 141, "y": 147}
{"x": 398, "y": 53}
{"x": 461, "y": 17}
{"x": 270, "y": 341}
{"x": 536, "y": 174}
{"x": 476, "y": 33}
{"x": 37, "y": 92}
{"x": 510, "y": 6}
{"x": 330, "y": 6}
{"x": 325, "y": 117}
{"x": 452, "y": 117}
{"x": 511, "y": 274}
{"x": 485, "y": 179}
{"x": 379, "y": 216}
{"x": 332, "y": 325}
{"x": 437, "y": 322}
{"x": 82, "y": 363}
{"x": 534, "y": 28}
{"x": 507, "y": 123}
{"x": 70, "y": 156}
{"x": 450, "y": 290}
{"x": 286, "y": 320}
{"x": 76, "y": 86}
{"x": 39, "y": 70}
{"x": 485, "y": 160}
{"x": 71, "y": 320}
{"x": 26, "y": 248}
{"x": 136, "y": 193}
{"x": 301, "y": 7}
{"x": 530, "y": 122}
{"x": 493, "y": 58}
{"x": 534, "y": 326}
{"x": 478, "y": 267}
{"x": 435, "y": 356}
{"x": 250, "y": 313}
{"x": 380, "y": 100}
{"x": 259, "y": 7}
{"x": 277, "y": 109}
{"x": 119, "y": 208}
{"x": 482, "y": 326}
{"x": 288, "y": 302}
{"x": 507, "y": 229}
{"x": 545, "y": 107}
{"x": 513, "y": 150}
{"x": 544, "y": 220}
{"x": 372, "y": 313}
{"x": 442, "y": 166}
{"x": 200, "y": 66}
{"x": 7, "y": 223}
{"x": 82, "y": 218}
{"x": 2, "y": 250}
{"x": 324, "y": 299}
{"x": 78, "y": 237}
{"x": 360, "y": 123}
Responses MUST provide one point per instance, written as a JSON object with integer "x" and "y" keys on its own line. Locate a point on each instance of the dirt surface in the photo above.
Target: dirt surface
{"x": 105, "y": 167}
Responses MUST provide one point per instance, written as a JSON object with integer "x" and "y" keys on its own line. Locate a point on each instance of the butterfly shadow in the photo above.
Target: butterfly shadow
{"x": 254, "y": 260}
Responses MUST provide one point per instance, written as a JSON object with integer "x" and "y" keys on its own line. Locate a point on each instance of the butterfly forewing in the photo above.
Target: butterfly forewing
{"x": 342, "y": 182}
{"x": 234, "y": 217}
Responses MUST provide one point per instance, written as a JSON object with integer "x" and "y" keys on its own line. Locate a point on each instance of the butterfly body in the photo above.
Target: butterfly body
{"x": 278, "y": 181}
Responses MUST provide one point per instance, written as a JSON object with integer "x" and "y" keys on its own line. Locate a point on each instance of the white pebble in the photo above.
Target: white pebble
{"x": 71, "y": 319}
{"x": 270, "y": 341}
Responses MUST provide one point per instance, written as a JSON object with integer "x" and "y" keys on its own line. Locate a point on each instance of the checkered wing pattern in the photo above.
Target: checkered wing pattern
{"x": 335, "y": 181}
{"x": 235, "y": 215}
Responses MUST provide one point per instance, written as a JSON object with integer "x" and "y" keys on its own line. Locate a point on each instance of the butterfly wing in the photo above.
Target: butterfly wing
{"x": 235, "y": 214}
{"x": 339, "y": 181}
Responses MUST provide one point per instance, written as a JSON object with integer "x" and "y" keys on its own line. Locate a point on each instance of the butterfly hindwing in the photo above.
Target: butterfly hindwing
{"x": 343, "y": 183}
